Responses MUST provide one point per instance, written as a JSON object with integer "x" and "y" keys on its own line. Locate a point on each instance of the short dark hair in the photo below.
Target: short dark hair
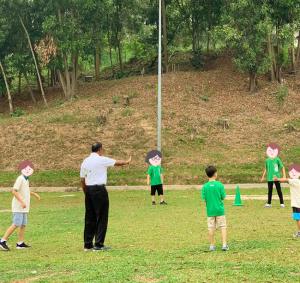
{"x": 296, "y": 167}
{"x": 96, "y": 146}
{"x": 24, "y": 164}
{"x": 152, "y": 154}
{"x": 210, "y": 171}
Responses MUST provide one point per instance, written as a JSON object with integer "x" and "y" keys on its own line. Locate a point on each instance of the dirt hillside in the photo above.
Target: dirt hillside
{"x": 195, "y": 107}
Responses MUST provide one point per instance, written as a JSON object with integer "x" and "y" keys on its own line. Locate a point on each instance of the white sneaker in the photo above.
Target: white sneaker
{"x": 297, "y": 235}
{"x": 282, "y": 205}
{"x": 225, "y": 248}
{"x": 268, "y": 205}
{"x": 212, "y": 248}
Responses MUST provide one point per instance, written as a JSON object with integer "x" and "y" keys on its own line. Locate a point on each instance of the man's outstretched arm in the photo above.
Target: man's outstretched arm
{"x": 123, "y": 162}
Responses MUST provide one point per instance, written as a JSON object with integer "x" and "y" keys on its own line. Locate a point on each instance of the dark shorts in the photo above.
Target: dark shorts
{"x": 296, "y": 213}
{"x": 158, "y": 188}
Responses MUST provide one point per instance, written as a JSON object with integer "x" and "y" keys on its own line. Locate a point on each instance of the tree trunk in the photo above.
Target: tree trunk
{"x": 97, "y": 62}
{"x": 52, "y": 77}
{"x": 74, "y": 75}
{"x": 271, "y": 56}
{"x": 293, "y": 60}
{"x": 208, "y": 43}
{"x": 193, "y": 35}
{"x": 120, "y": 55}
{"x": 30, "y": 89}
{"x": 62, "y": 82}
{"x": 252, "y": 82}
{"x": 279, "y": 74}
{"x": 298, "y": 50}
{"x": 109, "y": 45}
{"x": 165, "y": 35}
{"x": 11, "y": 108}
{"x": 68, "y": 80}
{"x": 19, "y": 83}
{"x": 35, "y": 62}
{"x": 48, "y": 77}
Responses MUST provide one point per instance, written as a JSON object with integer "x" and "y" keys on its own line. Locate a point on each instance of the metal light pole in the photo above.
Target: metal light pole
{"x": 159, "y": 83}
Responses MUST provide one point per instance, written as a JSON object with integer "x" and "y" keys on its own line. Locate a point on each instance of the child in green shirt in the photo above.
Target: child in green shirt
{"x": 213, "y": 193}
{"x": 155, "y": 175}
{"x": 273, "y": 169}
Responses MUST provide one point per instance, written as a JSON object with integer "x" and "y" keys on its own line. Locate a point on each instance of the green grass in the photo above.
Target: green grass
{"x": 152, "y": 244}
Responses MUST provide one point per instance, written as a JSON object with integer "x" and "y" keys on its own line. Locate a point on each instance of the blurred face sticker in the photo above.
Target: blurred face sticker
{"x": 294, "y": 171}
{"x": 154, "y": 158}
{"x": 26, "y": 167}
{"x": 272, "y": 150}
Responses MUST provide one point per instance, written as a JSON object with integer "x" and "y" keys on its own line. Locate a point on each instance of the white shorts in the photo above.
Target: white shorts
{"x": 216, "y": 222}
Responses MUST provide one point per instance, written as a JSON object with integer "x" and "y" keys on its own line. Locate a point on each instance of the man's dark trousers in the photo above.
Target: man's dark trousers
{"x": 96, "y": 215}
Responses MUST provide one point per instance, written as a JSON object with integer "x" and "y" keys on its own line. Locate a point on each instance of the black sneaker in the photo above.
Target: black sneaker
{"x": 22, "y": 246}
{"x": 4, "y": 247}
{"x": 103, "y": 248}
{"x": 153, "y": 203}
{"x": 163, "y": 203}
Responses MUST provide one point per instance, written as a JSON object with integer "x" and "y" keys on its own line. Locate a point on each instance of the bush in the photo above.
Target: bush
{"x": 18, "y": 112}
{"x": 127, "y": 112}
{"x": 282, "y": 94}
{"x": 116, "y": 99}
{"x": 197, "y": 60}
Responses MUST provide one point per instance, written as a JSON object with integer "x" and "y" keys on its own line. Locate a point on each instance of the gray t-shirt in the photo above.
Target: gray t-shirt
{"x": 22, "y": 187}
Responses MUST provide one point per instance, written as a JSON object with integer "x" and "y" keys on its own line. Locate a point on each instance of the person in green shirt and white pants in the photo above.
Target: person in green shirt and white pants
{"x": 273, "y": 169}
{"x": 155, "y": 176}
{"x": 213, "y": 193}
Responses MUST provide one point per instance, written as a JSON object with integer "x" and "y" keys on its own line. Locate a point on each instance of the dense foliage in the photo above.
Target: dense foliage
{"x": 59, "y": 40}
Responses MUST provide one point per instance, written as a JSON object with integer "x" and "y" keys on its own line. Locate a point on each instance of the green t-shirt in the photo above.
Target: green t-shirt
{"x": 155, "y": 175}
{"x": 273, "y": 167}
{"x": 213, "y": 193}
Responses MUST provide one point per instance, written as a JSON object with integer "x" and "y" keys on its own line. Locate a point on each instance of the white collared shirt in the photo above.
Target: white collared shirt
{"x": 94, "y": 169}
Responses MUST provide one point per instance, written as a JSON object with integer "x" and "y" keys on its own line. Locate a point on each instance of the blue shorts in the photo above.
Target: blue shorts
{"x": 20, "y": 219}
{"x": 296, "y": 213}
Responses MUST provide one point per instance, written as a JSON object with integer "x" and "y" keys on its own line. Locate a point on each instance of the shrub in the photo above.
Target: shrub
{"x": 18, "y": 112}
{"x": 197, "y": 60}
{"x": 282, "y": 94}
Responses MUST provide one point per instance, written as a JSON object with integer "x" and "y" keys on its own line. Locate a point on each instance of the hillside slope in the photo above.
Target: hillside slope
{"x": 195, "y": 104}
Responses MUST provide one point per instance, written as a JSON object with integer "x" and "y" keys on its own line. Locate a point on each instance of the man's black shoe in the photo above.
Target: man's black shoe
{"x": 103, "y": 248}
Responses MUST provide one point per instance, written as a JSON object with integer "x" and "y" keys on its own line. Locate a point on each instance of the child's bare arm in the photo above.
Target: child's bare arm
{"x": 263, "y": 176}
{"x": 37, "y": 196}
{"x": 148, "y": 180}
{"x": 162, "y": 178}
{"x": 281, "y": 179}
{"x": 283, "y": 173}
{"x": 19, "y": 198}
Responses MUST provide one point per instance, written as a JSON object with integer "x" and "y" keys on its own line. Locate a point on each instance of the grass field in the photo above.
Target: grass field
{"x": 152, "y": 243}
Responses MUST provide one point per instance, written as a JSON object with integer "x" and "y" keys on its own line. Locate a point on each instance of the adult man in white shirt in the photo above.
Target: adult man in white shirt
{"x": 93, "y": 174}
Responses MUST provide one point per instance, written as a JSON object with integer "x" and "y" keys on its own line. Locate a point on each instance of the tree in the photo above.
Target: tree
{"x": 64, "y": 24}
{"x": 4, "y": 37}
{"x": 35, "y": 61}
{"x": 285, "y": 17}
{"x": 246, "y": 28}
